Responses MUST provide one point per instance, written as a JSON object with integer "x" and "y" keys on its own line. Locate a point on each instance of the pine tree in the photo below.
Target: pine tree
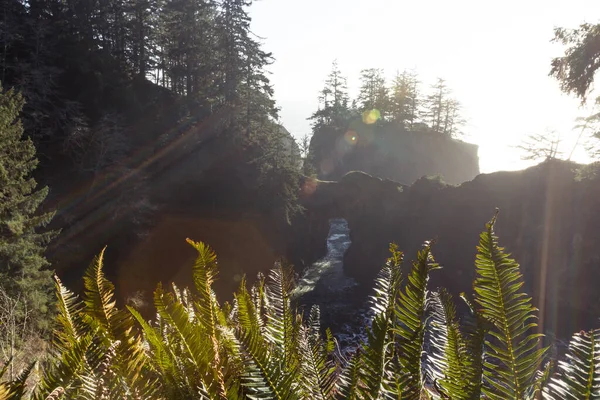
{"x": 404, "y": 101}
{"x": 452, "y": 119}
{"x": 142, "y": 33}
{"x": 434, "y": 106}
{"x": 22, "y": 263}
{"x": 333, "y": 101}
{"x": 234, "y": 41}
{"x": 373, "y": 93}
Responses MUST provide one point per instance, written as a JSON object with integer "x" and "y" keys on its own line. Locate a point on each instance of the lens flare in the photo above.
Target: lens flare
{"x": 371, "y": 116}
{"x": 351, "y": 137}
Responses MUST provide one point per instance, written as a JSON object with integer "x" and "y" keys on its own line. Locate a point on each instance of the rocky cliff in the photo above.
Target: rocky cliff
{"x": 548, "y": 220}
{"x": 389, "y": 152}
{"x": 192, "y": 183}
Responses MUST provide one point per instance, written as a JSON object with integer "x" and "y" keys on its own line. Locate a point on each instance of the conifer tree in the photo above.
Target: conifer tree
{"x": 22, "y": 263}
{"x": 451, "y": 120}
{"x": 404, "y": 101}
{"x": 373, "y": 93}
{"x": 333, "y": 101}
{"x": 434, "y": 106}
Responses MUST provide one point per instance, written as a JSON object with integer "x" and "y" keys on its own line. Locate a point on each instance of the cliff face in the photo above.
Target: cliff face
{"x": 197, "y": 185}
{"x": 391, "y": 153}
{"x": 548, "y": 220}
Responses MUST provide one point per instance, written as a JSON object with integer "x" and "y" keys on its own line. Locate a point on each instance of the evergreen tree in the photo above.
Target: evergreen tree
{"x": 404, "y": 101}
{"x": 187, "y": 45}
{"x": 234, "y": 46}
{"x": 373, "y": 93}
{"x": 451, "y": 118}
{"x": 22, "y": 263}
{"x": 333, "y": 101}
{"x": 434, "y": 106}
{"x": 142, "y": 33}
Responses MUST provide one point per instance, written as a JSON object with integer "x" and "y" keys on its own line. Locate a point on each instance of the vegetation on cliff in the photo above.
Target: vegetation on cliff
{"x": 392, "y": 131}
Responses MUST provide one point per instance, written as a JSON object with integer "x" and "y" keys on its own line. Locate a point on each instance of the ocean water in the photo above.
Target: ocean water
{"x": 324, "y": 283}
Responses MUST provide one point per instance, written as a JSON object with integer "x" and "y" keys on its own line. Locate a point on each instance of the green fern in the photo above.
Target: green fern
{"x": 475, "y": 329}
{"x": 579, "y": 375}
{"x": 67, "y": 371}
{"x": 317, "y": 367}
{"x": 69, "y": 318}
{"x": 348, "y": 384}
{"x": 542, "y": 379}
{"x": 187, "y": 339}
{"x": 114, "y": 325}
{"x": 410, "y": 331}
{"x": 260, "y": 348}
{"x": 450, "y": 357}
{"x": 377, "y": 375}
{"x": 15, "y": 389}
{"x": 265, "y": 375}
{"x": 281, "y": 329}
{"x": 514, "y": 353}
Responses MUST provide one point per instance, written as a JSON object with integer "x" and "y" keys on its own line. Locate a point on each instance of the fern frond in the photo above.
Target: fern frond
{"x": 579, "y": 375}
{"x": 208, "y": 312}
{"x": 379, "y": 350}
{"x": 15, "y": 390}
{"x": 449, "y": 354}
{"x": 98, "y": 298}
{"x": 265, "y": 375}
{"x": 317, "y": 369}
{"x": 280, "y": 328}
{"x": 66, "y": 371}
{"x": 410, "y": 329}
{"x": 259, "y": 296}
{"x": 514, "y": 353}
{"x": 114, "y": 324}
{"x": 191, "y": 337}
{"x": 475, "y": 329}
{"x": 204, "y": 273}
{"x": 348, "y": 385}
{"x": 69, "y": 317}
{"x": 542, "y": 378}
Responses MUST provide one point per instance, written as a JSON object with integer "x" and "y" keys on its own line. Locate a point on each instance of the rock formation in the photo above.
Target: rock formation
{"x": 549, "y": 218}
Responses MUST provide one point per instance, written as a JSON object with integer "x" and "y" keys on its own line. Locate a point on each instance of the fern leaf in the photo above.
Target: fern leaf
{"x": 115, "y": 324}
{"x": 280, "y": 329}
{"x": 68, "y": 318}
{"x": 410, "y": 325}
{"x": 98, "y": 298}
{"x": 475, "y": 329}
{"x": 579, "y": 375}
{"x": 379, "y": 349}
{"x": 204, "y": 273}
{"x": 265, "y": 375}
{"x": 192, "y": 338}
{"x": 65, "y": 373}
{"x": 450, "y": 357}
{"x": 317, "y": 369}
{"x": 514, "y": 353}
{"x": 542, "y": 378}
{"x": 348, "y": 384}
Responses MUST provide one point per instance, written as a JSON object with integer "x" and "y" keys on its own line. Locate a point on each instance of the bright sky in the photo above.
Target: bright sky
{"x": 495, "y": 56}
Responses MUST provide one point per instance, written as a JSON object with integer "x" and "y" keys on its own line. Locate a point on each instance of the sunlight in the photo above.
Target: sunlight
{"x": 371, "y": 116}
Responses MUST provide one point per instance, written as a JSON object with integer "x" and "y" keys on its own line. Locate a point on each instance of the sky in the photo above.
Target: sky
{"x": 494, "y": 56}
